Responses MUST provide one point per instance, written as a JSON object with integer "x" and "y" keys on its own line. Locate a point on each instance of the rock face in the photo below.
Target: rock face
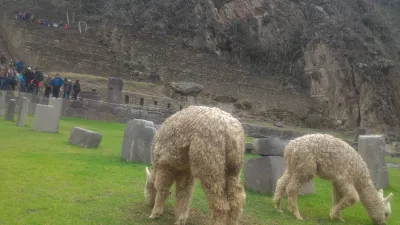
{"x": 23, "y": 112}
{"x": 262, "y": 174}
{"x": 187, "y": 88}
{"x": 10, "y": 113}
{"x": 372, "y": 150}
{"x": 114, "y": 91}
{"x": 138, "y": 137}
{"x": 45, "y": 119}
{"x": 2, "y": 103}
{"x": 84, "y": 138}
{"x": 272, "y": 146}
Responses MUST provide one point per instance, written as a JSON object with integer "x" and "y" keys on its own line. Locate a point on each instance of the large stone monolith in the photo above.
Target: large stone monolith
{"x": 114, "y": 91}
{"x": 372, "y": 150}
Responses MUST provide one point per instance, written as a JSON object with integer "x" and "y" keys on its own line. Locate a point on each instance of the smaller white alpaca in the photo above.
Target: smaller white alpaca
{"x": 331, "y": 159}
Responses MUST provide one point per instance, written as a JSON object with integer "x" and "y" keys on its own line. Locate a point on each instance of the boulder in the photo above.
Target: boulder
{"x": 138, "y": 137}
{"x": 10, "y": 113}
{"x": 187, "y": 87}
{"x": 84, "y": 138}
{"x": 272, "y": 146}
{"x": 2, "y": 103}
{"x": 262, "y": 174}
{"x": 372, "y": 150}
{"x": 23, "y": 112}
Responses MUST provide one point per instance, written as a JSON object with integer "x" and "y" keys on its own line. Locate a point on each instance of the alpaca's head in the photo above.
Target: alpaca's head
{"x": 382, "y": 214}
{"x": 149, "y": 189}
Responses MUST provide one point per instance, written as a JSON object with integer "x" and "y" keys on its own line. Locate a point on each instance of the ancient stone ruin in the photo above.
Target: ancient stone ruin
{"x": 10, "y": 112}
{"x": 23, "y": 112}
{"x": 114, "y": 91}
{"x": 138, "y": 136}
{"x": 261, "y": 174}
{"x": 2, "y": 103}
{"x": 84, "y": 138}
{"x": 372, "y": 150}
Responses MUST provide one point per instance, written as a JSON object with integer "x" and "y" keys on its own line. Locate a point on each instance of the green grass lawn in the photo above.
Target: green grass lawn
{"x": 44, "y": 180}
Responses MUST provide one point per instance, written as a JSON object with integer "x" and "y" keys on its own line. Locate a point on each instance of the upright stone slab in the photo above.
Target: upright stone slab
{"x": 23, "y": 112}
{"x": 85, "y": 138}
{"x": 2, "y": 103}
{"x": 262, "y": 174}
{"x": 10, "y": 113}
{"x": 372, "y": 150}
{"x": 57, "y": 103}
{"x": 138, "y": 138}
{"x": 45, "y": 119}
{"x": 114, "y": 91}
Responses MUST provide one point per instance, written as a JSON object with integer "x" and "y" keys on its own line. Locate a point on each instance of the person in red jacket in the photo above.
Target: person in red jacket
{"x": 66, "y": 27}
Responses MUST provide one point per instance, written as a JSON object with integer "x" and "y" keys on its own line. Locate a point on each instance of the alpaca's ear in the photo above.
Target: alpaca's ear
{"x": 380, "y": 192}
{"x": 389, "y": 198}
{"x": 147, "y": 172}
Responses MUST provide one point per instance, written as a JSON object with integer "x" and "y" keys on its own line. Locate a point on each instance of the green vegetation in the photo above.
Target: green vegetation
{"x": 44, "y": 180}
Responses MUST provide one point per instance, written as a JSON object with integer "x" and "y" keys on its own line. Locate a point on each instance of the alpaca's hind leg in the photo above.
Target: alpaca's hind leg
{"x": 336, "y": 197}
{"x": 184, "y": 190}
{"x": 280, "y": 190}
{"x": 163, "y": 182}
{"x": 349, "y": 197}
{"x": 293, "y": 191}
{"x": 207, "y": 166}
{"x": 236, "y": 197}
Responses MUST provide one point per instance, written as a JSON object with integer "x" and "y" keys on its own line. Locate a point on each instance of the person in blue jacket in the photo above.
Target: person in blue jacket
{"x": 57, "y": 83}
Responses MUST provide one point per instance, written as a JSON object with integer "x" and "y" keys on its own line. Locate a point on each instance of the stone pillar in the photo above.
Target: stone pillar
{"x": 45, "y": 119}
{"x": 114, "y": 91}
{"x": 138, "y": 138}
{"x": 372, "y": 150}
{"x": 2, "y": 103}
{"x": 23, "y": 112}
{"x": 11, "y": 110}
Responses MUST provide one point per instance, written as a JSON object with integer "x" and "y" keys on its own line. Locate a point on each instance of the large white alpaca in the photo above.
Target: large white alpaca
{"x": 332, "y": 159}
{"x": 198, "y": 142}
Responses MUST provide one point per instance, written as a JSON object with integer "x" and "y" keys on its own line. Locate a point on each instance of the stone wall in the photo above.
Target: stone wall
{"x": 97, "y": 110}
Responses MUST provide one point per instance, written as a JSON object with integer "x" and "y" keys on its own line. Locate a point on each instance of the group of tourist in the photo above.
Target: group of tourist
{"x": 30, "y": 17}
{"x": 16, "y": 75}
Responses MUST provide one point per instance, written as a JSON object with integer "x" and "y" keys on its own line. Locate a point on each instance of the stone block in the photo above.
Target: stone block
{"x": 85, "y": 138}
{"x": 272, "y": 146}
{"x": 262, "y": 174}
{"x": 372, "y": 150}
{"x": 57, "y": 103}
{"x": 2, "y": 103}
{"x": 10, "y": 112}
{"x": 23, "y": 112}
{"x": 249, "y": 147}
{"x": 114, "y": 91}
{"x": 138, "y": 137}
{"x": 45, "y": 119}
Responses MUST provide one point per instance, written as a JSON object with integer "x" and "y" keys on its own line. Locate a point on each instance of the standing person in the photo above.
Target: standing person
{"x": 20, "y": 66}
{"x": 37, "y": 78}
{"x": 28, "y": 80}
{"x": 65, "y": 88}
{"x": 56, "y": 84}
{"x": 21, "y": 83}
{"x": 47, "y": 86}
{"x": 77, "y": 89}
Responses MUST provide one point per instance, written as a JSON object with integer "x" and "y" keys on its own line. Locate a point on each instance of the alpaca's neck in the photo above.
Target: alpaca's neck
{"x": 369, "y": 196}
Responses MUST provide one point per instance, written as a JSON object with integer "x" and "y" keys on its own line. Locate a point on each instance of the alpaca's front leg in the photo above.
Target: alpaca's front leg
{"x": 349, "y": 197}
{"x": 184, "y": 190}
{"x": 163, "y": 182}
{"x": 336, "y": 197}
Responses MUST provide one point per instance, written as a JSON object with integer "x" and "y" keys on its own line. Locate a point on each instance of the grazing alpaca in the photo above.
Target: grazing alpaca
{"x": 332, "y": 159}
{"x": 204, "y": 143}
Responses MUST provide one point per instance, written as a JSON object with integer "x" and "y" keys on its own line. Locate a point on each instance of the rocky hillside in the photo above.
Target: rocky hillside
{"x": 327, "y": 63}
